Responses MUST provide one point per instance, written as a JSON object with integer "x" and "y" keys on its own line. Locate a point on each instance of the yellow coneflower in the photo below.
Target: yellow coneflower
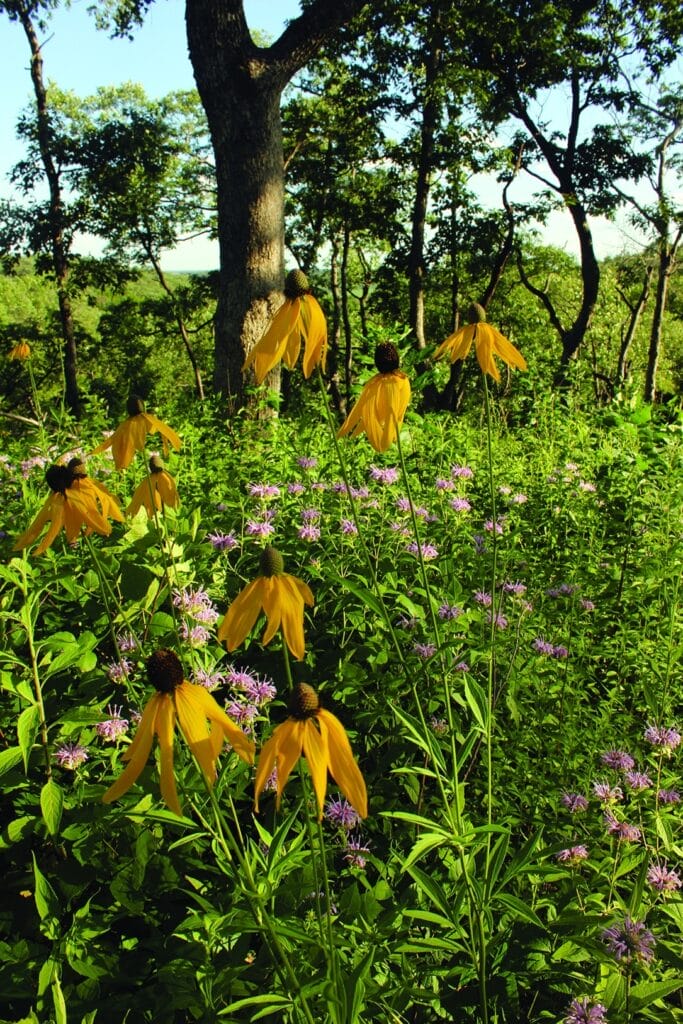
{"x": 21, "y": 351}
{"x": 280, "y": 596}
{"x": 129, "y": 437}
{"x": 108, "y": 504}
{"x": 316, "y": 733}
{"x": 156, "y": 489}
{"x": 298, "y": 319}
{"x": 383, "y": 401}
{"x": 194, "y": 708}
{"x": 66, "y": 507}
{"x": 488, "y": 342}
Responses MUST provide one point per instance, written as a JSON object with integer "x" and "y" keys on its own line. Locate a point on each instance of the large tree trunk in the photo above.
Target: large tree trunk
{"x": 59, "y": 245}
{"x": 240, "y": 85}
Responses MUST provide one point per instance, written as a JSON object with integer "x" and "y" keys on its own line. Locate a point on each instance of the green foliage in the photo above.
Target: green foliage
{"x": 456, "y": 901}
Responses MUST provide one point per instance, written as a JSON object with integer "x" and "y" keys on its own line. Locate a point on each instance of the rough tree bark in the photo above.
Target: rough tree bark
{"x": 240, "y": 85}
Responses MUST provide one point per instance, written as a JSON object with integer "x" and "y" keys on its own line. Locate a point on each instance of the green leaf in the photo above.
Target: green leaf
{"x": 362, "y": 593}
{"x": 47, "y": 903}
{"x": 270, "y": 1002}
{"x": 519, "y": 909}
{"x": 647, "y": 992}
{"x": 476, "y": 701}
{"x": 52, "y": 805}
{"x": 27, "y": 727}
{"x": 8, "y": 758}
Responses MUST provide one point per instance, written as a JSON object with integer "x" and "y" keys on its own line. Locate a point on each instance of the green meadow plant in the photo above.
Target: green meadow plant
{"x": 495, "y": 626}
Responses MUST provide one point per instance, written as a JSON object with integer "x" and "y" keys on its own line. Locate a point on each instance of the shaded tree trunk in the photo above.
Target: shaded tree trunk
{"x": 431, "y": 109}
{"x": 665, "y": 268}
{"x": 240, "y": 85}
{"x": 634, "y": 319}
{"x": 346, "y": 320}
{"x": 58, "y": 242}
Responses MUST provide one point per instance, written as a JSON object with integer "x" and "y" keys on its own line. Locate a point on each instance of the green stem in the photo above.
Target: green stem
{"x": 28, "y": 623}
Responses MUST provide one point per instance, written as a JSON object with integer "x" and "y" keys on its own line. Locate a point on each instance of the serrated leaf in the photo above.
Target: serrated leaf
{"x": 52, "y": 805}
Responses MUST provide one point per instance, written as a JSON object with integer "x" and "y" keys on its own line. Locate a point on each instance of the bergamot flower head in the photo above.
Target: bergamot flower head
{"x": 298, "y": 319}
{"x": 488, "y": 342}
{"x": 155, "y": 490}
{"x": 68, "y": 507}
{"x": 382, "y": 403}
{"x": 203, "y": 723}
{"x": 318, "y": 735}
{"x": 130, "y": 436}
{"x": 280, "y": 596}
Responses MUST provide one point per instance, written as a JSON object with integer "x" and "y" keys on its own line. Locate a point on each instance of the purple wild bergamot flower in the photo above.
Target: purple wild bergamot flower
{"x": 618, "y": 759}
{"x": 585, "y": 1011}
{"x": 340, "y": 812}
{"x": 114, "y": 726}
{"x": 607, "y": 794}
{"x": 630, "y": 941}
{"x": 424, "y": 650}
{"x": 624, "y": 832}
{"x": 222, "y": 541}
{"x": 663, "y": 878}
{"x": 447, "y": 612}
{"x": 356, "y": 852}
{"x": 668, "y": 796}
{"x": 71, "y": 756}
{"x": 573, "y": 855}
{"x": 665, "y": 738}
{"x": 460, "y": 505}
{"x": 637, "y": 781}
{"x": 574, "y": 802}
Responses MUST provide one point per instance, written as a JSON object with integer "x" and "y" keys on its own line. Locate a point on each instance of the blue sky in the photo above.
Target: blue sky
{"x": 80, "y": 58}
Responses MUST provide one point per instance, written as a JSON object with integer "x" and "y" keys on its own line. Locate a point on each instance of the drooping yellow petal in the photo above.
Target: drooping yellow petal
{"x": 380, "y": 409}
{"x": 273, "y": 593}
{"x": 483, "y": 342}
{"x": 342, "y": 764}
{"x": 55, "y": 526}
{"x": 164, "y": 728}
{"x": 192, "y": 721}
{"x": 292, "y": 611}
{"x": 36, "y": 528}
{"x": 266, "y": 762}
{"x": 129, "y": 438}
{"x": 269, "y": 349}
{"x": 241, "y": 615}
{"x": 304, "y": 590}
{"x": 156, "y": 426}
{"x": 508, "y": 353}
{"x": 225, "y": 728}
{"x": 458, "y": 344}
{"x": 145, "y": 496}
{"x": 290, "y": 745}
{"x": 315, "y": 749}
{"x": 138, "y": 751}
{"x": 166, "y": 488}
{"x": 106, "y": 501}
{"x": 315, "y": 334}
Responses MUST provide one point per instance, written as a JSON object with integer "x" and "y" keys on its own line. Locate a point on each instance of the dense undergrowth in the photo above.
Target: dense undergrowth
{"x": 510, "y": 680}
